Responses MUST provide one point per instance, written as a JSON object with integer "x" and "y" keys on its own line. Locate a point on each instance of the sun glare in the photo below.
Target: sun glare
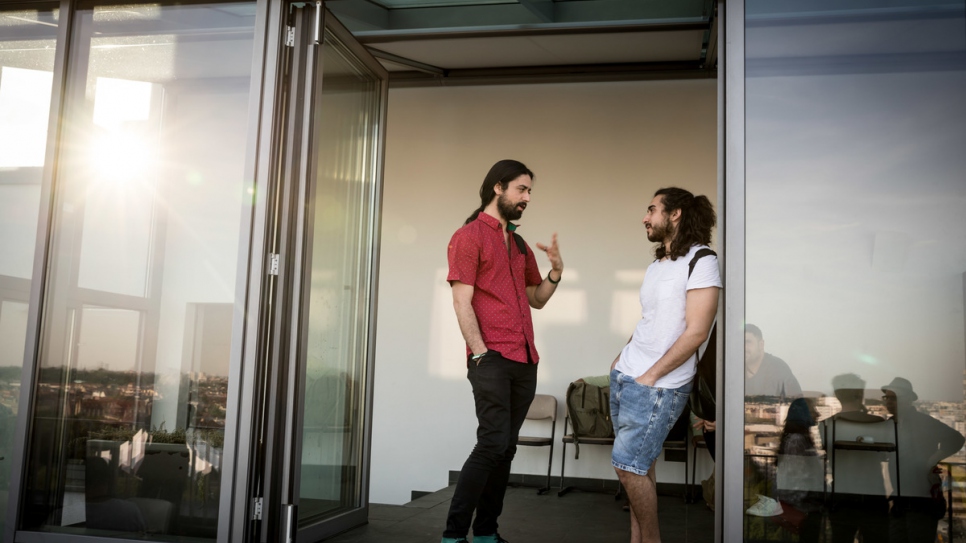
{"x": 123, "y": 147}
{"x": 118, "y": 158}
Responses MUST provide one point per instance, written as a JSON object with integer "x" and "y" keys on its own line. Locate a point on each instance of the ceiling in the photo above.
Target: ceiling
{"x": 452, "y": 42}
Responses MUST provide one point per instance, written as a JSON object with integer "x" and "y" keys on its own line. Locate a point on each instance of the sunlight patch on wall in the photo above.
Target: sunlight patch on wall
{"x": 625, "y": 307}
{"x": 567, "y": 307}
{"x": 630, "y": 277}
{"x": 447, "y": 349}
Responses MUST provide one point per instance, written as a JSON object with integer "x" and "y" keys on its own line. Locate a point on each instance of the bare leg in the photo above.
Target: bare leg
{"x": 642, "y": 493}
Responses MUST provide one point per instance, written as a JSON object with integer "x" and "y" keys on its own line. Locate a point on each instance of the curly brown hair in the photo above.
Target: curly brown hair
{"x": 697, "y": 220}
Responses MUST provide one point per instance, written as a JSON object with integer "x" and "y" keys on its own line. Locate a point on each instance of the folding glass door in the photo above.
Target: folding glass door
{"x": 27, "y": 44}
{"x": 319, "y": 394}
{"x": 142, "y": 201}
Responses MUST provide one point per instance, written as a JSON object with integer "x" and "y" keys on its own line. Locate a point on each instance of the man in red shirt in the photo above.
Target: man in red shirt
{"x": 495, "y": 282}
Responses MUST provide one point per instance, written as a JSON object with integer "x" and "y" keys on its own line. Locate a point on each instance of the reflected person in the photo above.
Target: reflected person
{"x": 495, "y": 282}
{"x": 766, "y": 374}
{"x": 923, "y": 443}
{"x": 800, "y": 474}
{"x": 861, "y": 506}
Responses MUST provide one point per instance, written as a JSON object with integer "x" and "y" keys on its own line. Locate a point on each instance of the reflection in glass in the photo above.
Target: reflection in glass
{"x": 27, "y": 46}
{"x": 856, "y": 264}
{"x": 129, "y": 418}
{"x": 337, "y": 319}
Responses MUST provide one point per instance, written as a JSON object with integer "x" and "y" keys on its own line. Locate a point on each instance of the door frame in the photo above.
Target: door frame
{"x": 729, "y": 511}
{"x": 282, "y": 389}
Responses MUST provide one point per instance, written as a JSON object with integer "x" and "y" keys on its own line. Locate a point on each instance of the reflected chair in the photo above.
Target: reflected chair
{"x": 860, "y": 446}
{"x": 543, "y": 407}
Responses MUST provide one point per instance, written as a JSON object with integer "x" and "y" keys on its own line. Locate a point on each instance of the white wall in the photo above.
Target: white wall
{"x": 599, "y": 151}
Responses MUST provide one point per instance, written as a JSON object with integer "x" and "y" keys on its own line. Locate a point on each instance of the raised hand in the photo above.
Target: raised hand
{"x": 553, "y": 253}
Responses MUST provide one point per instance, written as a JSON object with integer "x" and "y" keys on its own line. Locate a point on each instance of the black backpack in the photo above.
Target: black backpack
{"x": 702, "y": 401}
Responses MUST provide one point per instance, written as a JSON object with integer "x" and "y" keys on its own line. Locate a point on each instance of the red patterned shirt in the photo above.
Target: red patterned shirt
{"x": 478, "y": 256}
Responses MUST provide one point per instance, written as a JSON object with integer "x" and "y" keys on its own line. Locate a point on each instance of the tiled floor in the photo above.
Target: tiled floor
{"x": 578, "y": 517}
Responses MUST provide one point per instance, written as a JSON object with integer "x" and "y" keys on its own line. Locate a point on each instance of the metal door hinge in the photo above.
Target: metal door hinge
{"x": 289, "y": 36}
{"x": 257, "y": 509}
{"x": 273, "y": 264}
{"x": 318, "y": 22}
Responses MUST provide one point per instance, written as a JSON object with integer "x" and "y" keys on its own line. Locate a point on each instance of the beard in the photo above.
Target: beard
{"x": 659, "y": 233}
{"x": 507, "y": 209}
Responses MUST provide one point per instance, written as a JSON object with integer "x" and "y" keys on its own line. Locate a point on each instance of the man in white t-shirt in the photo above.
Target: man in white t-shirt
{"x": 651, "y": 378}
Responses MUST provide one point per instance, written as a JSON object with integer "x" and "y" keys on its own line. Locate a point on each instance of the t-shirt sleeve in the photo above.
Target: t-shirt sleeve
{"x": 463, "y": 255}
{"x": 705, "y": 273}
{"x": 532, "y": 273}
{"x": 792, "y": 388}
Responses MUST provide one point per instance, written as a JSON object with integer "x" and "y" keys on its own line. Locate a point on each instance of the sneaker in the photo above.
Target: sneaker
{"x": 766, "y": 507}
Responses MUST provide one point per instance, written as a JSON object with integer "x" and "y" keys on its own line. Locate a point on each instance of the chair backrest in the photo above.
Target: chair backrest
{"x": 544, "y": 406}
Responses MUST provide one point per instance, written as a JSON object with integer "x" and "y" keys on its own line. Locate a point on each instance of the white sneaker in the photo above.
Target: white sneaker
{"x": 766, "y": 507}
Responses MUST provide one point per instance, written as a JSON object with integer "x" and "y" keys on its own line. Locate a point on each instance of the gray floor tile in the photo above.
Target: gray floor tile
{"x": 579, "y": 517}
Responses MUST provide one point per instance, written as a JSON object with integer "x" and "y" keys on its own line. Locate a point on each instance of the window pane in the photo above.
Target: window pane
{"x": 855, "y": 268}
{"x": 337, "y": 331}
{"x": 27, "y": 44}
{"x": 129, "y": 422}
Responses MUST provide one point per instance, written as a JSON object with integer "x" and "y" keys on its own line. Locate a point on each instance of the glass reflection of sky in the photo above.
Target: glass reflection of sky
{"x": 856, "y": 236}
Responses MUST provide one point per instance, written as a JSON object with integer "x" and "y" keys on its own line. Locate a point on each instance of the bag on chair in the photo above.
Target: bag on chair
{"x": 589, "y": 409}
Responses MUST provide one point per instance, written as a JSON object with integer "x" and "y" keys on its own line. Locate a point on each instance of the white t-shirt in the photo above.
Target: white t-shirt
{"x": 663, "y": 299}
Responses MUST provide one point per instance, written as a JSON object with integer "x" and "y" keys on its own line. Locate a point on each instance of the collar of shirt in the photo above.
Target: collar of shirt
{"x": 494, "y": 223}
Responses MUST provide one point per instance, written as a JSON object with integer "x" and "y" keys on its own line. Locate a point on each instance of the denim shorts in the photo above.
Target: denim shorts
{"x": 642, "y": 416}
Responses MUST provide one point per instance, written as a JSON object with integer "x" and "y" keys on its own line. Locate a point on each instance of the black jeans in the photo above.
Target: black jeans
{"x": 503, "y": 390}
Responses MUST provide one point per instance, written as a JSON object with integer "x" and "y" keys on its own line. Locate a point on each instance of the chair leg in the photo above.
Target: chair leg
{"x": 687, "y": 489}
{"x": 563, "y": 462}
{"x": 694, "y": 465}
{"x": 546, "y": 488}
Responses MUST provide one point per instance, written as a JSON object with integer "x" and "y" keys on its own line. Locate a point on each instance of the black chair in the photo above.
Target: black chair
{"x": 577, "y": 440}
{"x": 698, "y": 443}
{"x": 676, "y": 446}
{"x": 581, "y": 440}
{"x": 543, "y": 407}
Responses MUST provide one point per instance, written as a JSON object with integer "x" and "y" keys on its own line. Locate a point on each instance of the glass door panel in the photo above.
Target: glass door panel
{"x": 131, "y": 394}
{"x": 336, "y": 320}
{"x": 855, "y": 340}
{"x": 28, "y": 40}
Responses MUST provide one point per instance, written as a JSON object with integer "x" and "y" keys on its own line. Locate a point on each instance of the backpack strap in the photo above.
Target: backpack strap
{"x": 522, "y": 245}
{"x": 702, "y": 393}
{"x": 698, "y": 256}
{"x": 511, "y": 228}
